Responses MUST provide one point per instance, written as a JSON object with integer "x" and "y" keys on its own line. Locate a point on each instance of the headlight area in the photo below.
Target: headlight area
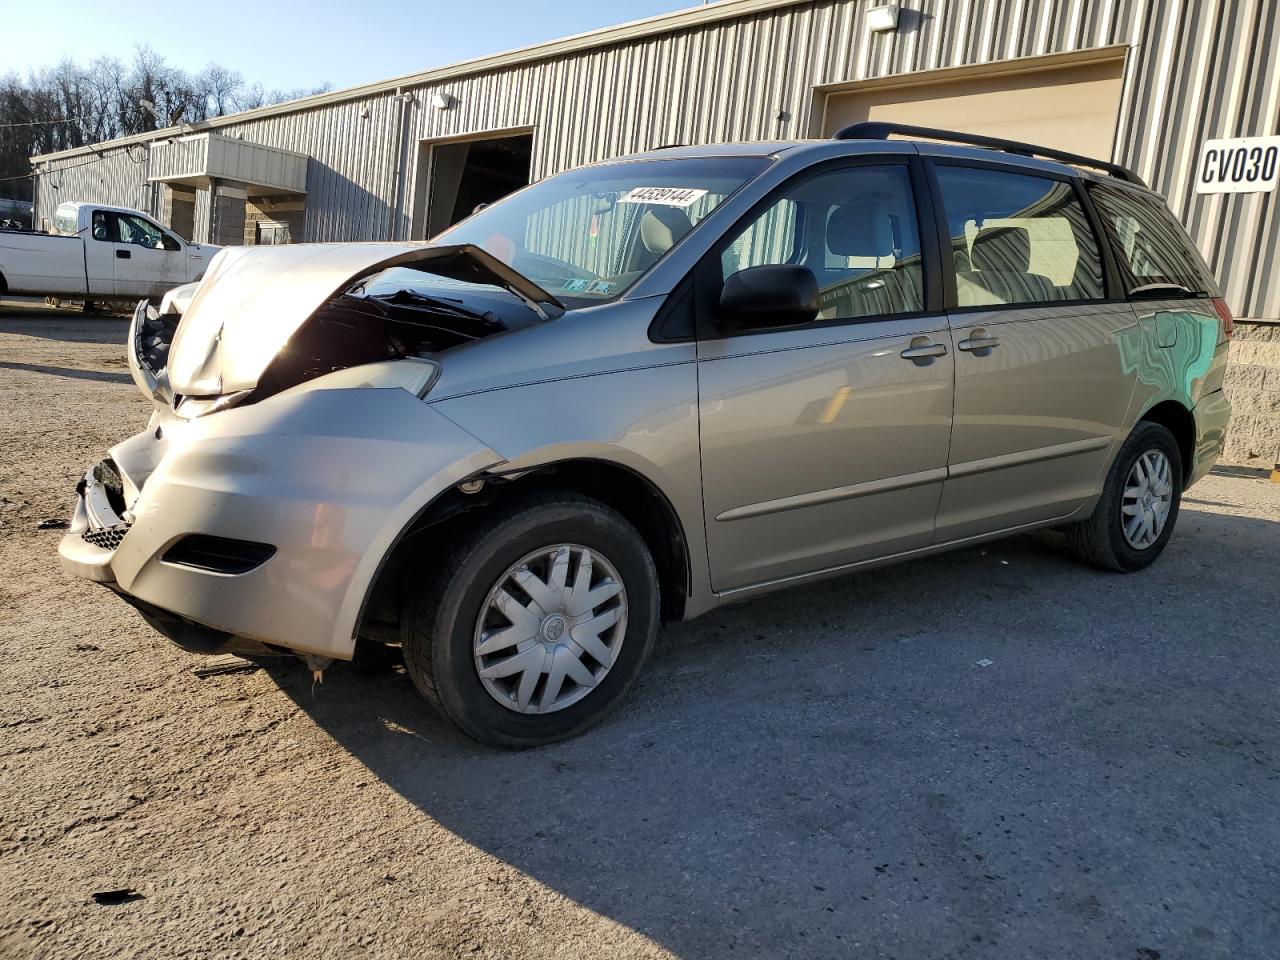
{"x": 414, "y": 374}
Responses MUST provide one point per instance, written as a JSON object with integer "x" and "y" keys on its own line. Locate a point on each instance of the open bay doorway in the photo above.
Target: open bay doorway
{"x": 456, "y": 176}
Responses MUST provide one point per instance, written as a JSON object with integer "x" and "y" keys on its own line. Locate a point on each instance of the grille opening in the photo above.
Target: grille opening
{"x": 218, "y": 554}
{"x": 108, "y": 538}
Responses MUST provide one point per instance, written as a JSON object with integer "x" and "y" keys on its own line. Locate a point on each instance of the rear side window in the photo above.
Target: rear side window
{"x": 106, "y": 226}
{"x": 1156, "y": 256}
{"x": 64, "y": 222}
{"x": 855, "y": 229}
{"x": 1018, "y": 239}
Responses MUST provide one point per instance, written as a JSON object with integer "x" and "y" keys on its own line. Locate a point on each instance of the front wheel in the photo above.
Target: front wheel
{"x": 1136, "y": 514}
{"x": 537, "y": 623}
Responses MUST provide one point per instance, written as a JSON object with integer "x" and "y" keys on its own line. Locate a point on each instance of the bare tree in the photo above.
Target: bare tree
{"x": 220, "y": 86}
{"x": 70, "y": 105}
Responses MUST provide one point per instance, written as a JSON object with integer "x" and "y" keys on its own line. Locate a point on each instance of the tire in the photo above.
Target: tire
{"x": 441, "y": 627}
{"x": 1101, "y": 539}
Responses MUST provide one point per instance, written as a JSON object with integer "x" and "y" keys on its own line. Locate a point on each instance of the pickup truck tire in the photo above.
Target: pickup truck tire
{"x": 1101, "y": 540}
{"x": 567, "y": 549}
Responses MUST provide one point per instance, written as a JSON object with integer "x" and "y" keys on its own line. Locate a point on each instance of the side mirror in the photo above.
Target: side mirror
{"x": 773, "y": 295}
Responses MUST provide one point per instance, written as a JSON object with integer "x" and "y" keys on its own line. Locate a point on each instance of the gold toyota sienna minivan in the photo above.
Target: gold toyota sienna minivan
{"x": 640, "y": 389}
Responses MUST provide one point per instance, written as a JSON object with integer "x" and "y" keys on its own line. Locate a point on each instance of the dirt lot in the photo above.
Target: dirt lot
{"x": 826, "y": 773}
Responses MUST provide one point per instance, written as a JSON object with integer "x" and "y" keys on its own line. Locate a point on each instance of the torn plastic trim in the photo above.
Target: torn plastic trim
{"x": 98, "y": 508}
{"x": 150, "y": 335}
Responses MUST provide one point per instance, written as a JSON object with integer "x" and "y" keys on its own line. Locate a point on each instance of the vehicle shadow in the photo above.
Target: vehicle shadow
{"x": 45, "y": 324}
{"x": 74, "y": 373}
{"x": 932, "y": 758}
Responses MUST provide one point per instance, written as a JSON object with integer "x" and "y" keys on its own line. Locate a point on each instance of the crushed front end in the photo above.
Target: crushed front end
{"x": 259, "y": 502}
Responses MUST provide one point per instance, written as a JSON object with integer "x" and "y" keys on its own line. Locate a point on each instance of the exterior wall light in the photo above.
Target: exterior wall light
{"x": 880, "y": 19}
{"x": 443, "y": 101}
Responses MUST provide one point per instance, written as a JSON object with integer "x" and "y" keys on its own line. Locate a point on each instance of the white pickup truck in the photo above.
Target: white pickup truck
{"x": 97, "y": 252}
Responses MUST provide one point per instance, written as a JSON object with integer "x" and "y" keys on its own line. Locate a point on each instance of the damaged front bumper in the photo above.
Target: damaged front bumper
{"x": 95, "y": 532}
{"x": 97, "y": 529}
{"x": 326, "y": 479}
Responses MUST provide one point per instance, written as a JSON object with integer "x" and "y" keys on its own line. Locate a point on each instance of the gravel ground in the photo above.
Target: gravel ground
{"x": 825, "y": 773}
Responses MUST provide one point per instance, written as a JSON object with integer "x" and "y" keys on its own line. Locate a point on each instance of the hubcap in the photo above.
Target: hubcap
{"x": 550, "y": 629}
{"x": 1148, "y": 497}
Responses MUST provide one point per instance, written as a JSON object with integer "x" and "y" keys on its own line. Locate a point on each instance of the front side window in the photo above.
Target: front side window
{"x": 1018, "y": 239}
{"x": 589, "y": 234}
{"x": 144, "y": 233}
{"x": 855, "y": 229}
{"x": 1156, "y": 257}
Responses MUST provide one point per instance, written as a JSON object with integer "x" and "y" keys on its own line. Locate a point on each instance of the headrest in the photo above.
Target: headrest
{"x": 861, "y": 229}
{"x": 661, "y": 226}
{"x": 1004, "y": 249}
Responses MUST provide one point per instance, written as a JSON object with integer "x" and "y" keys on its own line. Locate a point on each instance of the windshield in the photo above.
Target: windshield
{"x": 589, "y": 234}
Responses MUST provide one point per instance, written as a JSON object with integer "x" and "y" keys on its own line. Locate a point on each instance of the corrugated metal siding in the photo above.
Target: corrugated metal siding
{"x": 1197, "y": 68}
{"x": 185, "y": 157}
{"x": 351, "y": 171}
{"x": 119, "y": 178}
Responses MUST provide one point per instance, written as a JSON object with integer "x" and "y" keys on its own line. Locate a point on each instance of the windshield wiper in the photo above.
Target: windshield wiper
{"x": 449, "y": 305}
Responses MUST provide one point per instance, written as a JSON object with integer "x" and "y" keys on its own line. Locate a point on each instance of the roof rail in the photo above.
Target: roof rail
{"x": 878, "y": 130}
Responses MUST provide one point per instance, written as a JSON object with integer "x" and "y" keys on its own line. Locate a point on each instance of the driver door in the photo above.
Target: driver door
{"x": 825, "y": 445}
{"x": 148, "y": 261}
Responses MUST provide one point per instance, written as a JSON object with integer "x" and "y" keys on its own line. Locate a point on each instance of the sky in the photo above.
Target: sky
{"x": 290, "y": 44}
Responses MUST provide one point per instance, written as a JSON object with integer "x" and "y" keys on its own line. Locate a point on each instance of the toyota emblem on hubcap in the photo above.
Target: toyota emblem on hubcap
{"x": 553, "y": 628}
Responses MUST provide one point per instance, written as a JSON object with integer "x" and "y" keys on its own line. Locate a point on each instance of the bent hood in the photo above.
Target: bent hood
{"x": 253, "y": 299}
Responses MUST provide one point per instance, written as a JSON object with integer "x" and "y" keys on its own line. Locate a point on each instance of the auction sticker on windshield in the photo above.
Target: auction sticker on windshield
{"x": 666, "y": 196}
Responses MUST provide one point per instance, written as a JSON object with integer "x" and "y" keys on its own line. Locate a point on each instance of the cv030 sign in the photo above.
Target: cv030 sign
{"x": 1242, "y": 165}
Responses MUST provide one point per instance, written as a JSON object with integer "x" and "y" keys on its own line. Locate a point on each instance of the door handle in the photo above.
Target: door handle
{"x": 123, "y": 254}
{"x": 925, "y": 351}
{"x": 979, "y": 343}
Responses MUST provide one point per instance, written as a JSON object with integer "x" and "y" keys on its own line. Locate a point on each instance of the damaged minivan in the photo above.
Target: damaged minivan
{"x": 640, "y": 389}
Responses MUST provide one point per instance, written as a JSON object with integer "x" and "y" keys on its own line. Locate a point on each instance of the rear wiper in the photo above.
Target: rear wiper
{"x": 1159, "y": 291}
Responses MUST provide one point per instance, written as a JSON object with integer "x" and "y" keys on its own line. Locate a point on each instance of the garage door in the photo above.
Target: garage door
{"x": 1072, "y": 108}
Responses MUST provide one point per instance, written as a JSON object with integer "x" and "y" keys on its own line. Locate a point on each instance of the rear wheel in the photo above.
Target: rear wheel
{"x": 1136, "y": 514}
{"x": 538, "y": 622}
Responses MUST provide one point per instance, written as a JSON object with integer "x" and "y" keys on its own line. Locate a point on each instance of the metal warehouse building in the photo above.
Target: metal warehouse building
{"x": 1142, "y": 82}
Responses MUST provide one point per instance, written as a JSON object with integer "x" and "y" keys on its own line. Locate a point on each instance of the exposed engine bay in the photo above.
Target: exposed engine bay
{"x": 356, "y": 328}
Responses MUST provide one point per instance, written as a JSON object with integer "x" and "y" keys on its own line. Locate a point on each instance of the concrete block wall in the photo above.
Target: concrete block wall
{"x": 178, "y": 211}
{"x": 1253, "y": 384}
{"x": 226, "y": 215}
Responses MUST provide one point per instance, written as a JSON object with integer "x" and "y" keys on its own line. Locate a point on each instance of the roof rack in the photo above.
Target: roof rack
{"x": 878, "y": 130}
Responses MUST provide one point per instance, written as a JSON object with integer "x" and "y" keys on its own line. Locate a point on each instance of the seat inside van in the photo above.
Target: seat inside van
{"x": 998, "y": 270}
